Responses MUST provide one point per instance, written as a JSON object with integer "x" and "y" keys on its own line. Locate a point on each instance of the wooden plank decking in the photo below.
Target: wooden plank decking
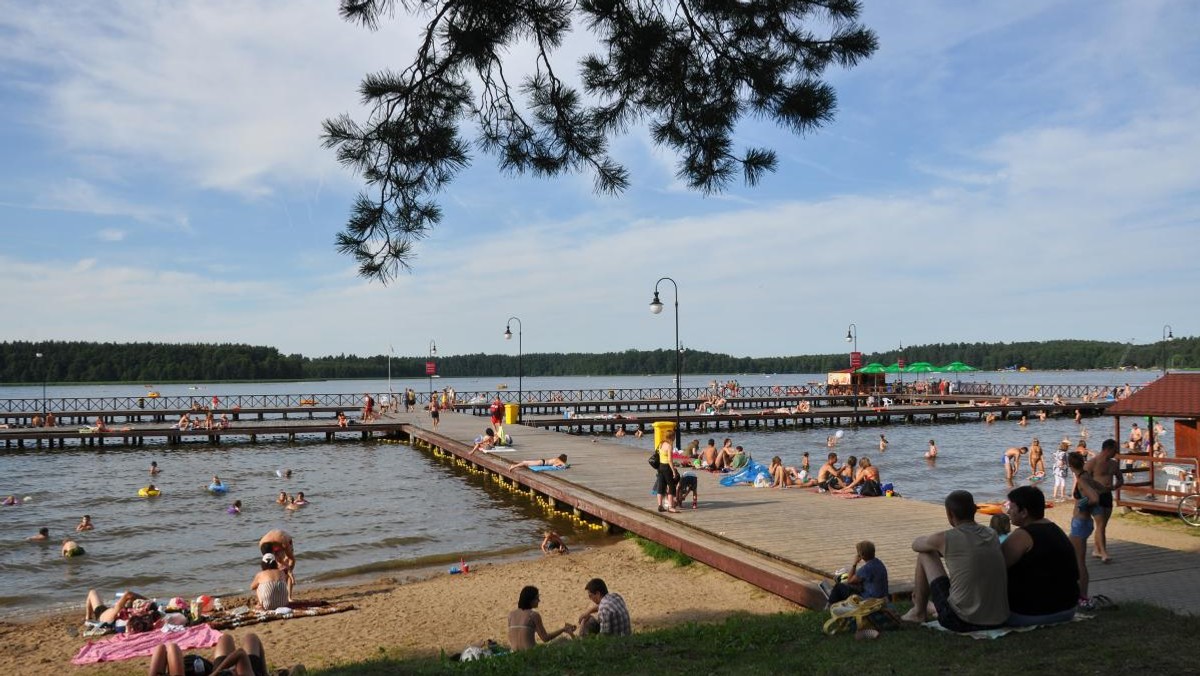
{"x": 781, "y": 540}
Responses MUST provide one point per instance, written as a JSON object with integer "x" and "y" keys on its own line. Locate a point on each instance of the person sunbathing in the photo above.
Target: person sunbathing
{"x": 249, "y": 660}
{"x": 95, "y": 610}
{"x": 560, "y": 461}
{"x": 486, "y": 443}
{"x": 779, "y": 475}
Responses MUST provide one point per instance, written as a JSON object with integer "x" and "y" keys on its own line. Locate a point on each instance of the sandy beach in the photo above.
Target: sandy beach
{"x": 448, "y": 612}
{"x": 441, "y": 612}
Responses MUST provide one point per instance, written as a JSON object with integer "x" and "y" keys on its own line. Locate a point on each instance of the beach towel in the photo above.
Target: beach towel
{"x": 548, "y": 468}
{"x": 128, "y": 646}
{"x": 1002, "y": 631}
{"x": 242, "y": 617}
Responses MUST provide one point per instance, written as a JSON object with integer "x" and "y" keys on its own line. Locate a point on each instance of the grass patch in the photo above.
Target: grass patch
{"x": 1137, "y": 637}
{"x": 1170, "y": 522}
{"x": 659, "y": 552}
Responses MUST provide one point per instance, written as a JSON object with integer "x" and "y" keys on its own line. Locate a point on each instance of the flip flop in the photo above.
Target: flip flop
{"x": 1102, "y": 602}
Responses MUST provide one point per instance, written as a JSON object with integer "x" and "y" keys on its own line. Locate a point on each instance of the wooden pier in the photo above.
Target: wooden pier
{"x": 783, "y": 541}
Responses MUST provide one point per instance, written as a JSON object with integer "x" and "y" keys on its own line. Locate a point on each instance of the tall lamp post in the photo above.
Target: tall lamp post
{"x": 520, "y": 352}
{"x": 852, "y": 336}
{"x": 40, "y": 359}
{"x": 391, "y": 351}
{"x": 1167, "y": 335}
{"x": 429, "y": 368}
{"x": 656, "y": 307}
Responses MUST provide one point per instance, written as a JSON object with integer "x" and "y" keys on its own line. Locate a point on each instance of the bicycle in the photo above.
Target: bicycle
{"x": 1189, "y": 509}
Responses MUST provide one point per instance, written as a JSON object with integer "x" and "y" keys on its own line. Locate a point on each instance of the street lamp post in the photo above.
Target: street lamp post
{"x": 429, "y": 368}
{"x": 391, "y": 350}
{"x": 40, "y": 359}
{"x": 852, "y": 336}
{"x": 1167, "y": 335}
{"x": 520, "y": 353}
{"x": 656, "y": 307}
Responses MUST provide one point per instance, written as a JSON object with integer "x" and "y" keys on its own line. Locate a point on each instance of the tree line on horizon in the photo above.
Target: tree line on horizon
{"x": 88, "y": 362}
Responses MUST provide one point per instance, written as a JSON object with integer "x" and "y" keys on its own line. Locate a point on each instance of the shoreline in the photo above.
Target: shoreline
{"x": 439, "y": 612}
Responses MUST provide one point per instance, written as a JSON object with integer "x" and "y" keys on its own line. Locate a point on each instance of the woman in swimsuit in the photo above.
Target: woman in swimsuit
{"x": 270, "y": 585}
{"x": 525, "y": 622}
{"x": 560, "y": 461}
{"x": 1087, "y": 495}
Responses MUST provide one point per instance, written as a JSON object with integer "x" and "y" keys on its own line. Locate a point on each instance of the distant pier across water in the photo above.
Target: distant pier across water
{"x": 135, "y": 420}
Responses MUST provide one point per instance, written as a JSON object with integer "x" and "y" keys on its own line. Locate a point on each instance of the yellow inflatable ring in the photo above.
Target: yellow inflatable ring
{"x": 147, "y": 493}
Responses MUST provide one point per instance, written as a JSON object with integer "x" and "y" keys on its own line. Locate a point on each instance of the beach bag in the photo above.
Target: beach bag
{"x": 855, "y": 614}
{"x": 871, "y": 489}
{"x": 141, "y": 617}
{"x": 654, "y": 461}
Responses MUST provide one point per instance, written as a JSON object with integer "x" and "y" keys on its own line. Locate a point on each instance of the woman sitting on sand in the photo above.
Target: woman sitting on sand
{"x": 270, "y": 585}
{"x": 560, "y": 461}
{"x": 525, "y": 622}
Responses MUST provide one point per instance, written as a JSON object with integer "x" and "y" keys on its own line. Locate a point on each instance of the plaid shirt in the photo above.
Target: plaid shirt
{"x": 613, "y": 615}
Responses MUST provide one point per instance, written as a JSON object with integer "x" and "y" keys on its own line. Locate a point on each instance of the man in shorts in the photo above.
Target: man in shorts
{"x": 1106, "y": 471}
{"x": 960, "y": 572}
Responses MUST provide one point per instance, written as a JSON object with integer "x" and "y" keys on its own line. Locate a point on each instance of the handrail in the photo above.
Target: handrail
{"x": 163, "y": 403}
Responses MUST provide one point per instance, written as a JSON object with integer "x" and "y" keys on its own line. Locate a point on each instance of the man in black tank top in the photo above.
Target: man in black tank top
{"x": 1043, "y": 575}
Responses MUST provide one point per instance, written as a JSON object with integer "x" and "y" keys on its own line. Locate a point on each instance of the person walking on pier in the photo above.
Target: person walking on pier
{"x": 410, "y": 400}
{"x": 667, "y": 483}
{"x": 434, "y": 415}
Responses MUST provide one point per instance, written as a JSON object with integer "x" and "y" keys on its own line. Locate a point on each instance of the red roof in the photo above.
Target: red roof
{"x": 1175, "y": 395}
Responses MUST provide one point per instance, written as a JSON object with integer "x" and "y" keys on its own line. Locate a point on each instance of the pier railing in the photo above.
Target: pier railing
{"x": 350, "y": 401}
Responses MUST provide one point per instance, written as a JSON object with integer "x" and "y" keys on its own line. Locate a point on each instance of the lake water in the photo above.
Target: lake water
{"x": 379, "y": 508}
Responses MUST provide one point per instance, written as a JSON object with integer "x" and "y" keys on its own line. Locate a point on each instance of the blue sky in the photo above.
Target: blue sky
{"x": 996, "y": 172}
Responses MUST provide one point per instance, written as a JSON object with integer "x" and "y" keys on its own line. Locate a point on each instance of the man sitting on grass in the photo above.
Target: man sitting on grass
{"x": 961, "y": 572}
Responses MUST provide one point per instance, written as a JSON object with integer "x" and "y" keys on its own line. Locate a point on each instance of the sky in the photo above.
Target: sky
{"x": 995, "y": 172}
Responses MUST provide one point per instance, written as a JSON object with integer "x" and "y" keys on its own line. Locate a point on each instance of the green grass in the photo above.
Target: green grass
{"x": 659, "y": 552}
{"x": 1133, "y": 638}
{"x": 1170, "y": 522}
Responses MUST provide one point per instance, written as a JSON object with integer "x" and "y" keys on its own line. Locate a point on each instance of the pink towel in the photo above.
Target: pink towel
{"x": 128, "y": 646}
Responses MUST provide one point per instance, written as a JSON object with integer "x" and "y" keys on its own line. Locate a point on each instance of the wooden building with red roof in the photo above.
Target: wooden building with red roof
{"x": 1157, "y": 483}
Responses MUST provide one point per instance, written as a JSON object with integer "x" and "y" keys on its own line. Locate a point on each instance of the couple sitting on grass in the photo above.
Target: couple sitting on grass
{"x": 971, "y": 582}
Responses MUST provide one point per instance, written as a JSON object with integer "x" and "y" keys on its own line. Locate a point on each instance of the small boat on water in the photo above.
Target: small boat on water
{"x": 502, "y": 386}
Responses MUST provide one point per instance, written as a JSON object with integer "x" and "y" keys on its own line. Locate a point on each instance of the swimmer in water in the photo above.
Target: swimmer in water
{"x": 216, "y": 482}
{"x": 71, "y": 548}
{"x": 235, "y": 508}
{"x": 932, "y": 452}
{"x": 298, "y": 501}
{"x": 84, "y": 524}
{"x": 883, "y": 443}
{"x": 1011, "y": 458}
{"x": 282, "y": 499}
{"x": 43, "y": 534}
{"x": 154, "y": 467}
{"x": 10, "y": 500}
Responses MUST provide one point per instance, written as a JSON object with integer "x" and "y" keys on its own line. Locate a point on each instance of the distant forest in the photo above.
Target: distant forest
{"x": 84, "y": 362}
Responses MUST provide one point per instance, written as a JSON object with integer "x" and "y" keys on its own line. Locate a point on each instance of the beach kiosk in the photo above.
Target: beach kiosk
{"x": 1156, "y": 483}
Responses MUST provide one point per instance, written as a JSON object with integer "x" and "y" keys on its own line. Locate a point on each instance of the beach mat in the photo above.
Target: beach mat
{"x": 234, "y": 619}
{"x": 128, "y": 646}
{"x": 1003, "y": 631}
{"x": 547, "y": 468}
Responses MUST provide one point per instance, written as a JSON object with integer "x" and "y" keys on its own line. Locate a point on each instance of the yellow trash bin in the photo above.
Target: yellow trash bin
{"x": 512, "y": 414}
{"x": 664, "y": 430}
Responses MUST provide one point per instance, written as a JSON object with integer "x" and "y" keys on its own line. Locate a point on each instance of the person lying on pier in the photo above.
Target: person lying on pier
{"x": 553, "y": 544}
{"x": 800, "y": 477}
{"x": 485, "y": 443}
{"x": 560, "y": 461}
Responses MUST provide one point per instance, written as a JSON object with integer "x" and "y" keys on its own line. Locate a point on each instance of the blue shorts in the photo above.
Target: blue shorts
{"x": 1082, "y": 527}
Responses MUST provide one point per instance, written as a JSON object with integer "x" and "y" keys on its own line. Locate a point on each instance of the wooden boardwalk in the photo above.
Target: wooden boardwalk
{"x": 781, "y": 540}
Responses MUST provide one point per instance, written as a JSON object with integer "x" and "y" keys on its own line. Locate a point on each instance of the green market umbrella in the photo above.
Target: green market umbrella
{"x": 920, "y": 367}
{"x": 873, "y": 367}
{"x": 958, "y": 367}
{"x": 894, "y": 368}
